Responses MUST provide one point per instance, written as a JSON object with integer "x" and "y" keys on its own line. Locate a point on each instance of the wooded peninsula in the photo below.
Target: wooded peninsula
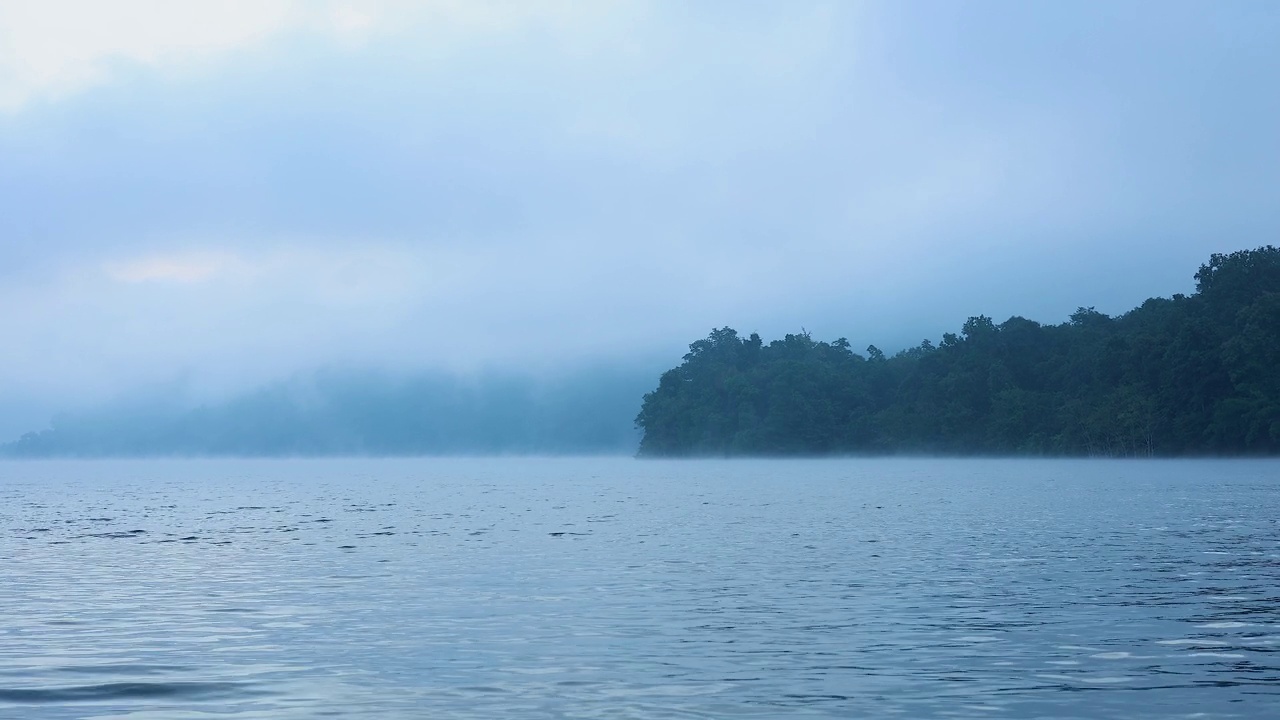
{"x": 1181, "y": 376}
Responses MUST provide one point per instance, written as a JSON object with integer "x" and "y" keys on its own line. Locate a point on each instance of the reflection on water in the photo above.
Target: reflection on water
{"x": 616, "y": 588}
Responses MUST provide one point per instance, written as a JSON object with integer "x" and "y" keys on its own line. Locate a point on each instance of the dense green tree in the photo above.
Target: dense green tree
{"x": 1195, "y": 374}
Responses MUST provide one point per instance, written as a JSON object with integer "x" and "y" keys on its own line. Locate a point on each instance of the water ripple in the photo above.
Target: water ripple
{"x": 615, "y": 588}
{"x": 125, "y": 691}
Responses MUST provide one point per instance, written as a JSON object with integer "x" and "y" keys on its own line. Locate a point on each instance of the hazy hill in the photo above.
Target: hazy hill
{"x": 333, "y": 413}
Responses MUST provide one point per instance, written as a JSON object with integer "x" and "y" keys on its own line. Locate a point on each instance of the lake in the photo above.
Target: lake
{"x": 621, "y": 588}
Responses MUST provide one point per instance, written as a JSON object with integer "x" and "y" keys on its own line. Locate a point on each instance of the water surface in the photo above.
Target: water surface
{"x": 616, "y": 588}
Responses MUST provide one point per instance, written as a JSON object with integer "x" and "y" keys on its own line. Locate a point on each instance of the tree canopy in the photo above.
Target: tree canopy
{"x": 1187, "y": 375}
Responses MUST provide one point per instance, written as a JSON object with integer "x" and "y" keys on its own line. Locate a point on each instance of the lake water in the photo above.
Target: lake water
{"x": 618, "y": 588}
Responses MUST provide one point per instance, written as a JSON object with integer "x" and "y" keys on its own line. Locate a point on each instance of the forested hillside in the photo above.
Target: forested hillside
{"x": 1187, "y": 375}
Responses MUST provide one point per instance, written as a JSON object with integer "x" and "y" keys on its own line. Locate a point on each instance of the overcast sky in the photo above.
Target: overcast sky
{"x": 211, "y": 195}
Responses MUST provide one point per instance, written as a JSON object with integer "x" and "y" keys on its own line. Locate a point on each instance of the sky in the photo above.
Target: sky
{"x": 210, "y": 196}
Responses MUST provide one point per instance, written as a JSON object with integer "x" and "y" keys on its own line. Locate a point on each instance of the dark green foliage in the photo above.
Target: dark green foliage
{"x": 1181, "y": 376}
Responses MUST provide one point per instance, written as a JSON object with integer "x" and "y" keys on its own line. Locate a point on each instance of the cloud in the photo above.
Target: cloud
{"x": 181, "y": 268}
{"x": 53, "y": 48}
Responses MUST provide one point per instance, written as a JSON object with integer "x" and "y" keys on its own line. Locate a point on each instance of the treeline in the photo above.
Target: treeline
{"x": 350, "y": 413}
{"x": 1187, "y": 375}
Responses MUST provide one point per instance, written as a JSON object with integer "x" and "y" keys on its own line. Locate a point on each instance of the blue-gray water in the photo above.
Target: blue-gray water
{"x": 616, "y": 588}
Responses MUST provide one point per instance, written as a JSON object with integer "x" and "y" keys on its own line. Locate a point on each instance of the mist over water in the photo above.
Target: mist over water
{"x": 590, "y": 410}
{"x": 391, "y": 236}
{"x": 643, "y": 589}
